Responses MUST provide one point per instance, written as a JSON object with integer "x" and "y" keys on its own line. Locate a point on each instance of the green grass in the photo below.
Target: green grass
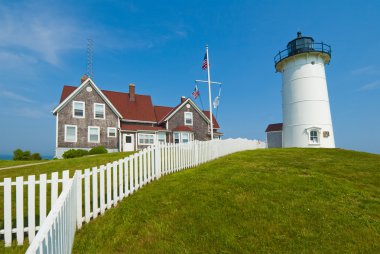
{"x": 52, "y": 166}
{"x": 10, "y": 163}
{"x": 262, "y": 201}
{"x": 61, "y": 165}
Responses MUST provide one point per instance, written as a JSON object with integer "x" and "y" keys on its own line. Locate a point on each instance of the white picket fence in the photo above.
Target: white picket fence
{"x": 89, "y": 193}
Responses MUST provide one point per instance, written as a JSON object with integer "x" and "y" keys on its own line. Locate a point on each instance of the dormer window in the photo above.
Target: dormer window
{"x": 78, "y": 109}
{"x": 188, "y": 118}
{"x": 99, "y": 111}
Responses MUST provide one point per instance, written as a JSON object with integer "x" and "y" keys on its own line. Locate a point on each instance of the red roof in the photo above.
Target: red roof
{"x": 214, "y": 122}
{"x": 274, "y": 127}
{"x": 182, "y": 128}
{"x": 135, "y": 127}
{"x": 141, "y": 110}
{"x": 161, "y": 112}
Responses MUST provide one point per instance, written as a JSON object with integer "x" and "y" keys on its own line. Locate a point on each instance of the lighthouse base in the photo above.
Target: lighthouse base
{"x": 320, "y": 136}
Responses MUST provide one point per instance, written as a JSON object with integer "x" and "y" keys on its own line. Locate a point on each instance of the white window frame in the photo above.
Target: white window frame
{"x": 88, "y": 134}
{"x": 84, "y": 109}
{"x": 318, "y": 131}
{"x": 108, "y": 132}
{"x": 76, "y": 133}
{"x": 190, "y": 136}
{"x": 191, "y": 114}
{"x": 147, "y": 134}
{"x": 158, "y": 137}
{"x": 104, "y": 110}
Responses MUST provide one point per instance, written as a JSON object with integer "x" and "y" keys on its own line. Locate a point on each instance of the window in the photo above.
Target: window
{"x": 99, "y": 111}
{"x": 78, "y": 109}
{"x": 70, "y": 133}
{"x": 93, "y": 134}
{"x": 185, "y": 137}
{"x": 146, "y": 139}
{"x": 176, "y": 137}
{"x": 111, "y": 132}
{"x": 314, "y": 137}
{"x": 182, "y": 137}
{"x": 188, "y": 118}
{"x": 161, "y": 137}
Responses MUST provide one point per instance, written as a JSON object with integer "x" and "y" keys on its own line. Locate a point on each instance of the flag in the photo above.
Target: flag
{"x": 204, "y": 64}
{"x": 195, "y": 92}
{"x": 216, "y": 102}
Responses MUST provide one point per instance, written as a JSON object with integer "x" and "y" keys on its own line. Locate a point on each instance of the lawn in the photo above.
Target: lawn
{"x": 262, "y": 201}
{"x": 61, "y": 165}
{"x": 10, "y": 163}
{"x": 51, "y": 166}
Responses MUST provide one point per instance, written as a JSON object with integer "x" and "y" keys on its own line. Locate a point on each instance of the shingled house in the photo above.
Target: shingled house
{"x": 87, "y": 117}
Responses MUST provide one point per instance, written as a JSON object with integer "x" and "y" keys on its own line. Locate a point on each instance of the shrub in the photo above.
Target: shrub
{"x": 36, "y": 157}
{"x": 20, "y": 155}
{"x": 98, "y": 150}
{"x": 74, "y": 153}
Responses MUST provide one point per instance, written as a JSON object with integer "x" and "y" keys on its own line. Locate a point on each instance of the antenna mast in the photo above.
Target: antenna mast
{"x": 90, "y": 71}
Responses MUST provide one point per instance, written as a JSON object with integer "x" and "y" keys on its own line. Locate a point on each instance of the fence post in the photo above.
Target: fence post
{"x": 31, "y": 208}
{"x": 79, "y": 198}
{"x": 157, "y": 162}
{"x": 8, "y": 212}
{"x": 20, "y": 209}
{"x": 94, "y": 192}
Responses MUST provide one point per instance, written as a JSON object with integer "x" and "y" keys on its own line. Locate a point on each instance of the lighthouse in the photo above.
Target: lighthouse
{"x": 305, "y": 101}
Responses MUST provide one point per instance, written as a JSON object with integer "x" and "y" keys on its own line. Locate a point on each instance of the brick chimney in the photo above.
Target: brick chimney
{"x": 132, "y": 96}
{"x": 183, "y": 99}
{"x": 83, "y": 78}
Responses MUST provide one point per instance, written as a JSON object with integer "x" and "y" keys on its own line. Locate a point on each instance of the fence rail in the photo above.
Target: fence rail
{"x": 93, "y": 191}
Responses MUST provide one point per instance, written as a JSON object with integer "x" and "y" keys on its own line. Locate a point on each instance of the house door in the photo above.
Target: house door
{"x": 128, "y": 142}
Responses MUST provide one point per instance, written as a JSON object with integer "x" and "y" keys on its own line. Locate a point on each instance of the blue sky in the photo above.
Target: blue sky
{"x": 159, "y": 45}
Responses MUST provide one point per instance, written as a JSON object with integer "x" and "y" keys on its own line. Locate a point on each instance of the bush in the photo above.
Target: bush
{"x": 20, "y": 155}
{"x": 98, "y": 150}
{"x": 74, "y": 153}
{"x": 36, "y": 157}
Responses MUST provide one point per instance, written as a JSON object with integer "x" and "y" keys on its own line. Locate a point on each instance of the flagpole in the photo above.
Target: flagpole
{"x": 209, "y": 92}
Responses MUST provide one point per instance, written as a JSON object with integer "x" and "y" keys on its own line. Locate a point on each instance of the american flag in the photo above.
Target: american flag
{"x": 204, "y": 64}
{"x": 195, "y": 92}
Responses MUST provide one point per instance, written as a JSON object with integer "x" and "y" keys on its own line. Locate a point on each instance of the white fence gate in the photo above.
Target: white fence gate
{"x": 89, "y": 193}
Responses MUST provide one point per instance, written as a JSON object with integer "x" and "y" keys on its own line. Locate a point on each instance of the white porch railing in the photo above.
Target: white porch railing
{"x": 96, "y": 190}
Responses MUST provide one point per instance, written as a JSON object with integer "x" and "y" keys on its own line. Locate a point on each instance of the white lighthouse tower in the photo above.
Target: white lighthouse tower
{"x": 305, "y": 101}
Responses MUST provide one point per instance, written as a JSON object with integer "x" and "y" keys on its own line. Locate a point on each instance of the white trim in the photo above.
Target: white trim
{"x": 88, "y": 134}
{"x": 184, "y": 118}
{"x": 108, "y": 132}
{"x": 84, "y": 109}
{"x": 56, "y": 131}
{"x": 76, "y": 133}
{"x": 158, "y": 135}
{"x": 190, "y": 136}
{"x": 104, "y": 110}
{"x": 318, "y": 130}
{"x": 188, "y": 100}
{"x": 148, "y": 134}
{"x": 136, "y": 121}
{"x": 76, "y": 91}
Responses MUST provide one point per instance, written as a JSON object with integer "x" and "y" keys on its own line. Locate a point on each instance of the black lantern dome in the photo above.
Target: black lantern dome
{"x": 300, "y": 45}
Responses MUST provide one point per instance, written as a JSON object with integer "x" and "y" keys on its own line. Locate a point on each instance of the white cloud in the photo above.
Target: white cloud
{"x": 15, "y": 96}
{"x": 30, "y": 112}
{"x": 367, "y": 70}
{"x": 371, "y": 86}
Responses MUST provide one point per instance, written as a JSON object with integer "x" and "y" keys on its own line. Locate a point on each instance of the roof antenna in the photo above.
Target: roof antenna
{"x": 90, "y": 71}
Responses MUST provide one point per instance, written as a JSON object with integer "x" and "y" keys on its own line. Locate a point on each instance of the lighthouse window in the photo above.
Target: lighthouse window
{"x": 314, "y": 137}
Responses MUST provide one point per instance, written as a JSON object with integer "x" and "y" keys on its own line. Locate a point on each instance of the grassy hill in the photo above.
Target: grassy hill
{"x": 262, "y": 201}
{"x": 271, "y": 201}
